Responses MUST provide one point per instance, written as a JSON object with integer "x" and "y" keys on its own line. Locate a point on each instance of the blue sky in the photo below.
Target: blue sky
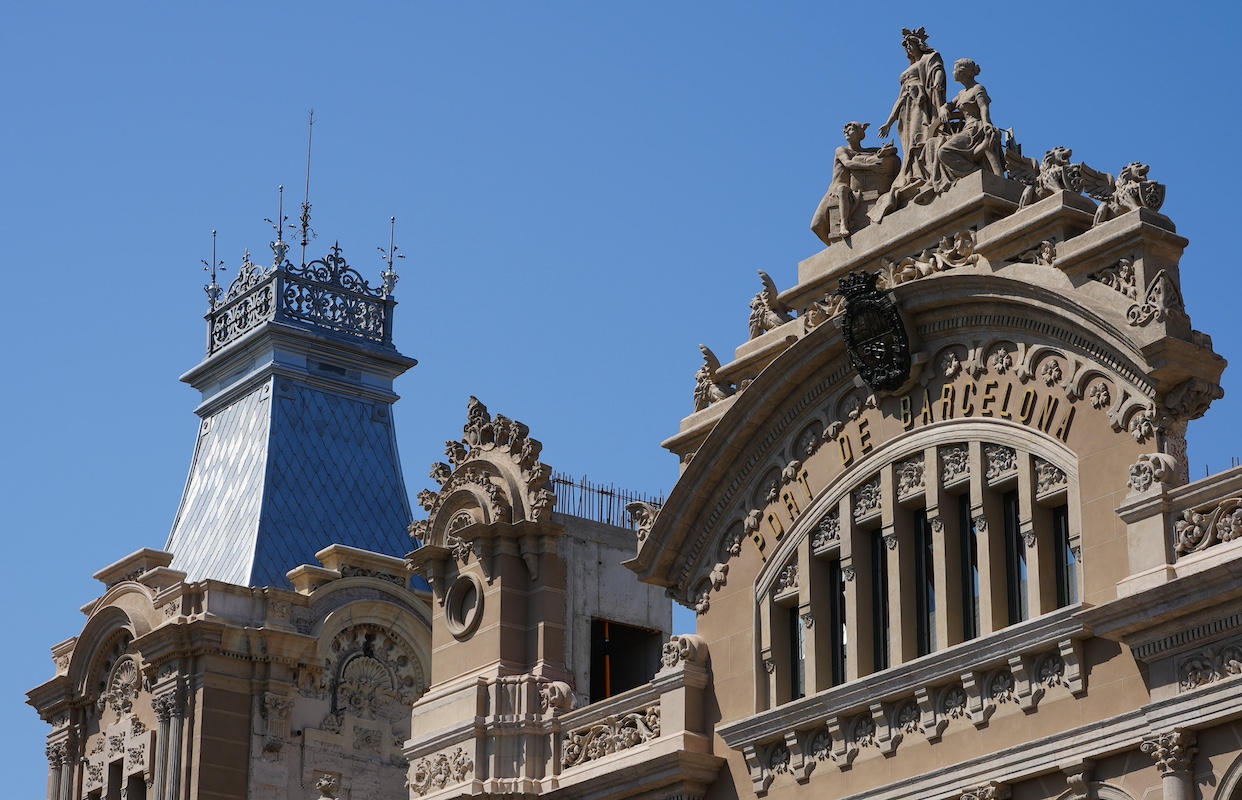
{"x": 584, "y": 192}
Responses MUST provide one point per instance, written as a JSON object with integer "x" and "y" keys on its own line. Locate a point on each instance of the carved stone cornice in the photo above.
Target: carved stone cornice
{"x": 1173, "y": 751}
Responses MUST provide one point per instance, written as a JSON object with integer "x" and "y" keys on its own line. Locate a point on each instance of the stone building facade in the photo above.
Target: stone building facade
{"x": 934, "y": 518}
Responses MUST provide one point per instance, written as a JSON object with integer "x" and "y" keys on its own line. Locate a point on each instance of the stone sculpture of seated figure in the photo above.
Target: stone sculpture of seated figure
{"x": 967, "y": 140}
{"x": 858, "y": 173}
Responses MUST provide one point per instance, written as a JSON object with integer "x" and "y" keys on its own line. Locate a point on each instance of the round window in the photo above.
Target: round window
{"x": 463, "y": 606}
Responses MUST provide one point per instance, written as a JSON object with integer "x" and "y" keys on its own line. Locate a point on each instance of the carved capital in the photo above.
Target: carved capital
{"x": 1173, "y": 751}
{"x": 991, "y": 790}
{"x": 56, "y": 755}
{"x": 167, "y": 705}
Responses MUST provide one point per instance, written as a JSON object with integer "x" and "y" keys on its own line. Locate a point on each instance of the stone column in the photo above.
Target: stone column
{"x": 170, "y": 712}
{"x": 55, "y": 766}
{"x": 163, "y": 710}
{"x": 1174, "y": 754}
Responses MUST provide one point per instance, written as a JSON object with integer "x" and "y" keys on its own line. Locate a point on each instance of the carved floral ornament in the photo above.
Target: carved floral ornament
{"x": 496, "y": 463}
{"x": 436, "y": 772}
{"x": 610, "y": 735}
{"x": 1204, "y": 527}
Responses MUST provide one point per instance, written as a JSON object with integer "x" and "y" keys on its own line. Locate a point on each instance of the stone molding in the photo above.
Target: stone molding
{"x": 1016, "y": 665}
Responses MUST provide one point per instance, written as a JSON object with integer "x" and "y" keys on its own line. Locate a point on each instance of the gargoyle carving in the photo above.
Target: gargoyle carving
{"x": 767, "y": 312}
{"x": 709, "y": 386}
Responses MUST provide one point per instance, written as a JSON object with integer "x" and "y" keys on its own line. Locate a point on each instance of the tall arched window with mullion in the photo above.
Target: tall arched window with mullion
{"x": 1015, "y": 560}
{"x": 968, "y": 541}
{"x": 925, "y": 583}
{"x": 880, "y": 636}
{"x": 1066, "y": 561}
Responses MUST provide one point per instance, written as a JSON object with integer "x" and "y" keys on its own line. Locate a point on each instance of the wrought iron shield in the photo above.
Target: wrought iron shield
{"x": 874, "y": 334}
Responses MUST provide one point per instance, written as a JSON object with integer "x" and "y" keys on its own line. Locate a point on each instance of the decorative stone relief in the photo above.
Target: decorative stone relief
{"x": 908, "y": 718}
{"x": 828, "y": 530}
{"x": 988, "y": 791}
{"x": 440, "y": 770}
{"x": 999, "y": 459}
{"x": 688, "y": 648}
{"x": 955, "y": 251}
{"x": 910, "y": 475}
{"x": 1151, "y": 469}
{"x": 950, "y": 365}
{"x": 1044, "y": 254}
{"x": 610, "y": 736}
{"x": 1213, "y": 663}
{"x": 123, "y": 685}
{"x": 327, "y": 786}
{"x": 954, "y": 463}
{"x": 867, "y": 498}
{"x": 1161, "y": 301}
{"x": 779, "y": 758}
{"x": 374, "y": 675}
{"x": 709, "y": 387}
{"x": 1099, "y": 395}
{"x": 1001, "y": 361}
{"x": 1048, "y": 477}
{"x": 820, "y": 311}
{"x": 1120, "y": 278}
{"x": 643, "y": 515}
{"x": 820, "y": 745}
{"x": 1001, "y": 687}
{"x": 1190, "y": 399}
{"x": 809, "y": 440}
{"x": 1173, "y": 751}
{"x": 555, "y": 696}
{"x": 1131, "y": 191}
{"x": 767, "y": 312}
{"x": 787, "y": 581}
{"x": 1050, "y": 372}
{"x": 1142, "y": 426}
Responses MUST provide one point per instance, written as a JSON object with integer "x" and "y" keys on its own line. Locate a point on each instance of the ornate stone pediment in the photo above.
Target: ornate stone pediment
{"x": 494, "y": 475}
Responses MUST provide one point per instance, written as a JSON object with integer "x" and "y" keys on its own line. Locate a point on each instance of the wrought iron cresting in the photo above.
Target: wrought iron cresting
{"x": 326, "y": 293}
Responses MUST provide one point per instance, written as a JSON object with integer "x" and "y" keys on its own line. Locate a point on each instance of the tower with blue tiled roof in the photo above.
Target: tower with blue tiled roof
{"x": 296, "y": 448}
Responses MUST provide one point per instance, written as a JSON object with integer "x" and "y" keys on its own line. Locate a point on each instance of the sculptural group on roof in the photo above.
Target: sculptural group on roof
{"x": 945, "y": 139}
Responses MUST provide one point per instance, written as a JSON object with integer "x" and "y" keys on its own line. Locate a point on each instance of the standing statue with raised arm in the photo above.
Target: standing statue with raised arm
{"x": 916, "y": 115}
{"x": 855, "y": 170}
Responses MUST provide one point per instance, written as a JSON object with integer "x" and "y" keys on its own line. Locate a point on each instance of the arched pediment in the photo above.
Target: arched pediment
{"x": 1060, "y": 357}
{"x": 493, "y": 475}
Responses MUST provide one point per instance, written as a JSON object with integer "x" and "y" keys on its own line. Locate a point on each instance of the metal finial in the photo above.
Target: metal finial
{"x": 213, "y": 289}
{"x": 279, "y": 247}
{"x": 389, "y": 275}
{"x": 307, "y": 232}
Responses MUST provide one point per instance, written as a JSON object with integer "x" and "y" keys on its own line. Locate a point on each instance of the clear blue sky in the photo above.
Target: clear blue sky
{"x": 584, "y": 192}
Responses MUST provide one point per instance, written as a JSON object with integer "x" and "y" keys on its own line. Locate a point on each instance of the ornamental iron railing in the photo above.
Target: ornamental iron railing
{"x": 325, "y": 293}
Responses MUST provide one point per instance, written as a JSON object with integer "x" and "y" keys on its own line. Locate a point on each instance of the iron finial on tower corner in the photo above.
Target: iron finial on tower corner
{"x": 390, "y": 275}
{"x": 213, "y": 289}
{"x": 279, "y": 247}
